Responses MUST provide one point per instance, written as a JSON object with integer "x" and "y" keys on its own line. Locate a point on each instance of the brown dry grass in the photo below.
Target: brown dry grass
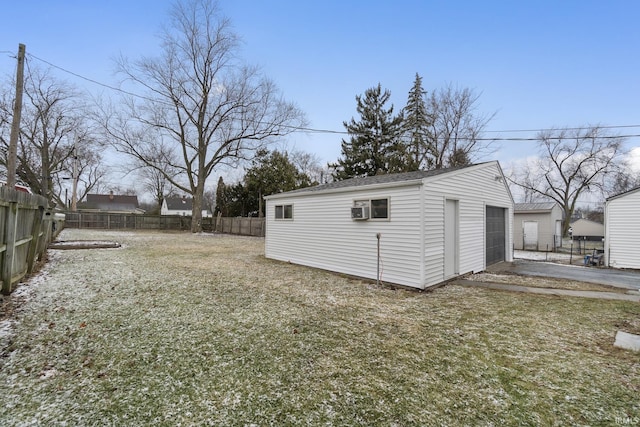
{"x": 181, "y": 329}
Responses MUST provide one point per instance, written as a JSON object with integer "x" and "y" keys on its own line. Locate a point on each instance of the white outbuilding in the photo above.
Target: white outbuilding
{"x": 585, "y": 229}
{"x": 537, "y": 226}
{"x": 415, "y": 229}
{"x": 622, "y": 230}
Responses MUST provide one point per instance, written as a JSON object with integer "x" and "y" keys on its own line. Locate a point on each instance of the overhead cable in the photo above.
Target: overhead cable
{"x": 337, "y": 132}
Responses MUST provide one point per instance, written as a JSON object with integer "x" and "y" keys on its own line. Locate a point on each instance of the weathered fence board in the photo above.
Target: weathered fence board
{"x": 25, "y": 231}
{"x": 123, "y": 221}
{"x": 240, "y": 225}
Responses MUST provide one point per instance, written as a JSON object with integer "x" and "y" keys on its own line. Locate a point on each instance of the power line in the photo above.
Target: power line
{"x": 117, "y": 89}
{"x": 555, "y": 137}
{"x": 312, "y": 130}
{"x": 556, "y": 129}
{"x": 337, "y": 132}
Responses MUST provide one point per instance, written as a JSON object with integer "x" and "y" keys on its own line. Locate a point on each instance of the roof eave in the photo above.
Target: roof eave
{"x": 626, "y": 193}
{"x": 408, "y": 182}
{"x": 351, "y": 189}
{"x": 532, "y": 211}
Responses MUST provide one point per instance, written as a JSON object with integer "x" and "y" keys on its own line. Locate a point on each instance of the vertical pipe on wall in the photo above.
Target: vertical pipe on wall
{"x": 378, "y": 265}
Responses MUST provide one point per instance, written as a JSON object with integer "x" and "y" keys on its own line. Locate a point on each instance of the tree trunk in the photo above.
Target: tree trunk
{"x": 198, "y": 197}
{"x": 196, "y": 213}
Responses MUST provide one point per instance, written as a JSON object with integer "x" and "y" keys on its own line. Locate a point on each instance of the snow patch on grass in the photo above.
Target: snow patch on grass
{"x": 6, "y": 328}
{"x": 182, "y": 329}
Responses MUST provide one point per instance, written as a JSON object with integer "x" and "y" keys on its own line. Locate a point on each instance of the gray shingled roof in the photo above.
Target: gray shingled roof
{"x": 528, "y": 207}
{"x": 179, "y": 203}
{"x": 624, "y": 193}
{"x": 110, "y": 202}
{"x": 378, "y": 179}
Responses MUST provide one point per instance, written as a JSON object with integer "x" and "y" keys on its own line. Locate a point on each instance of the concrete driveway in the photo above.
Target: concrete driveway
{"x": 605, "y": 276}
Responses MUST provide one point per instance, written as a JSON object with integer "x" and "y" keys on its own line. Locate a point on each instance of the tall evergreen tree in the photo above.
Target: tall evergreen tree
{"x": 271, "y": 173}
{"x": 416, "y": 127}
{"x": 239, "y": 200}
{"x": 222, "y": 202}
{"x": 375, "y": 145}
{"x": 459, "y": 157}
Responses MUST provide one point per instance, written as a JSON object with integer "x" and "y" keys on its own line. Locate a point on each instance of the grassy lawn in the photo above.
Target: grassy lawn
{"x": 180, "y": 329}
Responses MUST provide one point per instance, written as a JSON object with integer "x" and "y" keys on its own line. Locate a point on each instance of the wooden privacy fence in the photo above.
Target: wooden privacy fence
{"x": 129, "y": 221}
{"x": 126, "y": 221}
{"x": 240, "y": 225}
{"x": 26, "y": 228}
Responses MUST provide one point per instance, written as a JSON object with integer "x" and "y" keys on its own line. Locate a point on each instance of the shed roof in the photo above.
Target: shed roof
{"x": 533, "y": 207}
{"x": 377, "y": 179}
{"x": 633, "y": 190}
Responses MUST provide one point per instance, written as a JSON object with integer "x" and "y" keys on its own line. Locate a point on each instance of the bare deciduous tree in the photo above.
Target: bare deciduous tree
{"x": 154, "y": 179}
{"x": 52, "y": 119}
{"x": 455, "y": 128}
{"x": 210, "y": 200}
{"x": 89, "y": 167}
{"x": 571, "y": 164}
{"x": 202, "y": 107}
{"x": 623, "y": 179}
{"x": 308, "y": 164}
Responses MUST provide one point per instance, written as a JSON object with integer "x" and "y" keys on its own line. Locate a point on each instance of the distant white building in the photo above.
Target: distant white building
{"x": 622, "y": 230}
{"x": 585, "y": 229}
{"x": 537, "y": 226}
{"x": 182, "y": 206}
{"x": 426, "y": 226}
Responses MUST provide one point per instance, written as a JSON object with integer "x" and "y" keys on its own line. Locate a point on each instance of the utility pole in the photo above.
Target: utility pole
{"x": 46, "y": 169}
{"x": 15, "y": 125}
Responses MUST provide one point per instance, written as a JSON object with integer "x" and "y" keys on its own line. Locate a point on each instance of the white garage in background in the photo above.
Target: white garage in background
{"x": 537, "y": 226}
{"x": 430, "y": 225}
{"x": 622, "y": 230}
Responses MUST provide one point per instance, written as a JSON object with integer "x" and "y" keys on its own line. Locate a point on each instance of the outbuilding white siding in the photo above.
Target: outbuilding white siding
{"x": 546, "y": 218}
{"x": 586, "y": 228}
{"x": 322, "y": 234}
{"x": 622, "y": 230}
{"x": 164, "y": 210}
{"x": 474, "y": 188}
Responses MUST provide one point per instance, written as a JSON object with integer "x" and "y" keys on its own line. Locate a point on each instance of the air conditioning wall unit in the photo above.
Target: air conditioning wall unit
{"x": 360, "y": 212}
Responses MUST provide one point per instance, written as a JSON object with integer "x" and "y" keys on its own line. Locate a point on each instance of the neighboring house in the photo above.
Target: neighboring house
{"x": 182, "y": 206}
{"x": 537, "y": 226}
{"x": 20, "y": 187}
{"x": 426, "y": 226}
{"x": 177, "y": 206}
{"x": 622, "y": 230}
{"x": 584, "y": 229}
{"x": 110, "y": 203}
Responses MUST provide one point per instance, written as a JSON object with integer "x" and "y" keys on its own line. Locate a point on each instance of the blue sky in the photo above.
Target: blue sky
{"x": 537, "y": 64}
